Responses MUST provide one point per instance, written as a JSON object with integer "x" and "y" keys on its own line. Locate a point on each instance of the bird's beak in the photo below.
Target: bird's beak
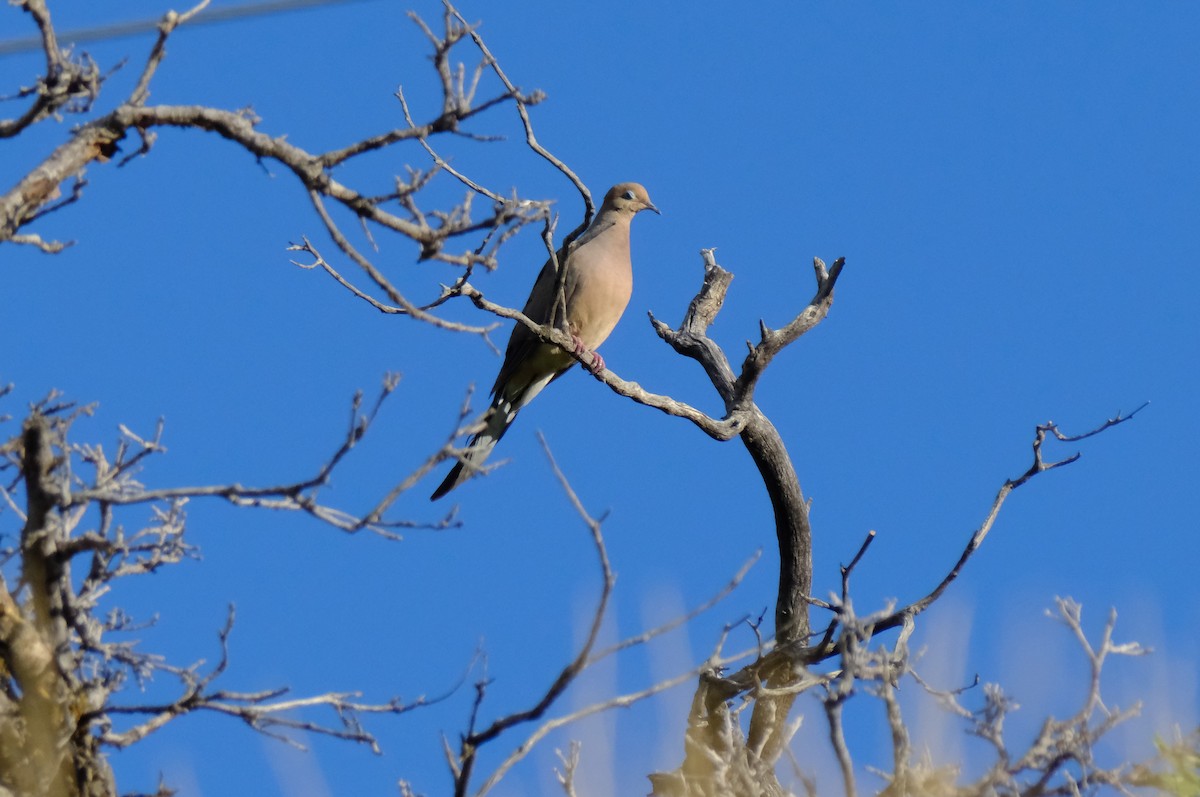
{"x": 650, "y": 206}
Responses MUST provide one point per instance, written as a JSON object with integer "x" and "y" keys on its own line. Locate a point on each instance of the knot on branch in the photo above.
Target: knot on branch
{"x": 448, "y": 121}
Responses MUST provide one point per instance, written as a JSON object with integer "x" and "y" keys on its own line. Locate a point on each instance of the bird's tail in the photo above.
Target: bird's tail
{"x": 471, "y": 460}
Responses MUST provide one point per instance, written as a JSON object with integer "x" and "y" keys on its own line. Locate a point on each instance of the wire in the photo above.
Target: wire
{"x": 208, "y": 16}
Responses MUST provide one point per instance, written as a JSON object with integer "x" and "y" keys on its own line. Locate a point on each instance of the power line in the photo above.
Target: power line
{"x": 208, "y": 16}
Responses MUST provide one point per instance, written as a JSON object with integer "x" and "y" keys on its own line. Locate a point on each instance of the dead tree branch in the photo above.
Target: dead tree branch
{"x": 768, "y": 726}
{"x": 463, "y": 762}
{"x": 66, "y": 658}
{"x": 267, "y": 711}
{"x": 844, "y": 635}
{"x": 75, "y": 85}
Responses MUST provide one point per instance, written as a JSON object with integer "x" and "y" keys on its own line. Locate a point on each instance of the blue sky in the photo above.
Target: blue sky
{"x": 1014, "y": 188}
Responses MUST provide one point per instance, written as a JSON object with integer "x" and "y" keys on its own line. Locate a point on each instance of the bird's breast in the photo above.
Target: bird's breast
{"x": 597, "y": 303}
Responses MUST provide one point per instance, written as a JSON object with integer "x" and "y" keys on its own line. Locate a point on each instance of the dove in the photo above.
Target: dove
{"x": 598, "y": 283}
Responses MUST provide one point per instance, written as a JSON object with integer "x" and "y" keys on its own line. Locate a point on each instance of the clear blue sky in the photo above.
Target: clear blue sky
{"x": 1015, "y": 189}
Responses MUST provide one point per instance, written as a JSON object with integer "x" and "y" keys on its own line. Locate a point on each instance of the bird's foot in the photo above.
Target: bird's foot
{"x": 597, "y": 361}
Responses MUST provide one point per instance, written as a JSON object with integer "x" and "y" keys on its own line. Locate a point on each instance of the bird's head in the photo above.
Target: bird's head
{"x": 630, "y": 198}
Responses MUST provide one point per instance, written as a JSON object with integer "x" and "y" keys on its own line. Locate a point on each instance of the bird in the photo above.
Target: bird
{"x": 597, "y": 286}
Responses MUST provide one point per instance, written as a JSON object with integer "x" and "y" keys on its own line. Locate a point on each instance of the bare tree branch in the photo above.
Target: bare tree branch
{"x": 68, "y": 84}
{"x": 474, "y": 739}
{"x": 522, "y": 108}
{"x": 98, "y": 140}
{"x": 113, "y": 485}
{"x": 1038, "y": 466}
{"x": 462, "y": 763}
{"x": 718, "y": 429}
{"x": 264, "y": 711}
{"x": 64, "y": 661}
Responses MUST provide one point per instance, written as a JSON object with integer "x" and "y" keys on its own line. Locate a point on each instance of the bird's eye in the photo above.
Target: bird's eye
{"x": 629, "y": 194}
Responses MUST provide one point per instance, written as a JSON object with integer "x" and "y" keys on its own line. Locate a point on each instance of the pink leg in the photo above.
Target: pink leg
{"x": 597, "y": 361}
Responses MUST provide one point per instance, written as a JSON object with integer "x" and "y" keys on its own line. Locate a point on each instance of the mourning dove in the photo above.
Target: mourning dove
{"x": 598, "y": 283}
